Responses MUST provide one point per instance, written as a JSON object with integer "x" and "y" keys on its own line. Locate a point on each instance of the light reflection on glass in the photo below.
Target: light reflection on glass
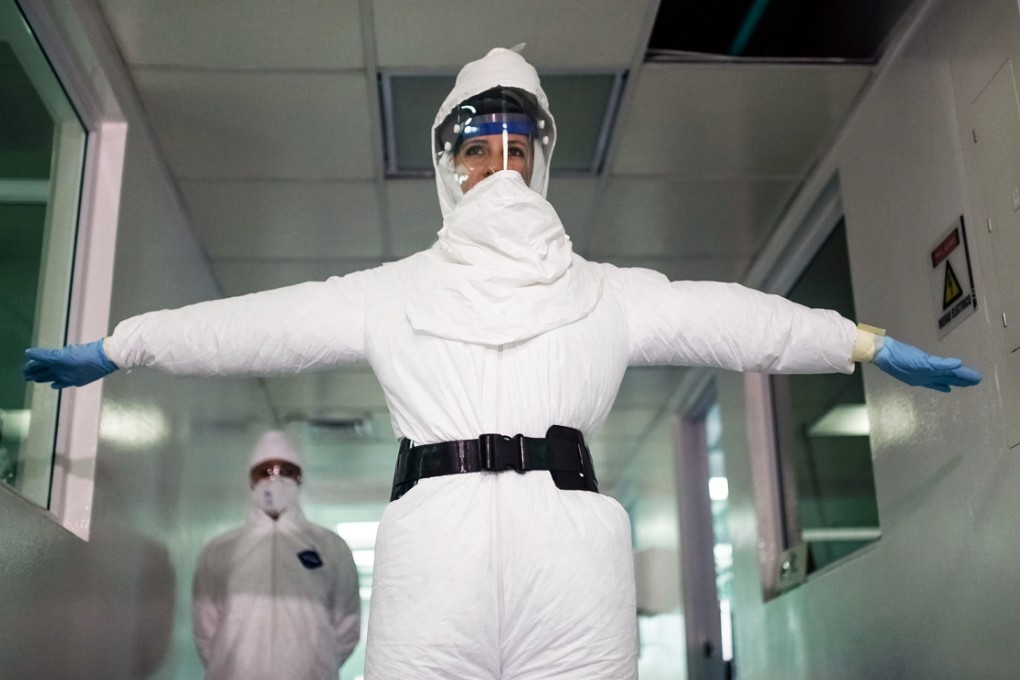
{"x": 132, "y": 425}
{"x": 718, "y": 492}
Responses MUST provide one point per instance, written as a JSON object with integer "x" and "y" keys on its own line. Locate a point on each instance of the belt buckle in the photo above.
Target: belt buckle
{"x": 497, "y": 452}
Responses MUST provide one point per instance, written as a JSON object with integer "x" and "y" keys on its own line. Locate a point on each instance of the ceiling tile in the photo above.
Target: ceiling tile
{"x": 728, "y": 120}
{"x": 572, "y": 197}
{"x": 414, "y": 214}
{"x": 703, "y": 268}
{"x": 560, "y": 34}
{"x": 415, "y": 217}
{"x": 239, "y": 277}
{"x": 260, "y": 125}
{"x": 238, "y": 34}
{"x": 258, "y": 219}
{"x": 670, "y": 217}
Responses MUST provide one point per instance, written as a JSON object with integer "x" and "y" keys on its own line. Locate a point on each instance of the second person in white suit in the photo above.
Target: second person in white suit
{"x": 278, "y": 596}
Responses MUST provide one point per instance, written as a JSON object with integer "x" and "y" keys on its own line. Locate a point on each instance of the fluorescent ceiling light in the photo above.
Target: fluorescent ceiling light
{"x": 841, "y": 534}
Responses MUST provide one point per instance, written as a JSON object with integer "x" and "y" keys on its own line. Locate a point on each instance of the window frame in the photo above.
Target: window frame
{"x": 82, "y": 71}
{"x": 702, "y": 615}
{"x": 782, "y": 555}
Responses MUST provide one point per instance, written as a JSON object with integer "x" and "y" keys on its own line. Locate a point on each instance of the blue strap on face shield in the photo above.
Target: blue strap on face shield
{"x": 512, "y": 127}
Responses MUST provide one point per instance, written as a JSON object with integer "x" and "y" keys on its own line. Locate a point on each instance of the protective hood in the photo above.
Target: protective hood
{"x": 500, "y": 67}
{"x": 275, "y": 445}
{"x": 503, "y": 269}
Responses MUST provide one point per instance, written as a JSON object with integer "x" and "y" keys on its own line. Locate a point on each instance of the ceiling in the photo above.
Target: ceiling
{"x": 268, "y": 116}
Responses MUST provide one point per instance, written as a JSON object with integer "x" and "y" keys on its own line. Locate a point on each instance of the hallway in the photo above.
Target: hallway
{"x": 862, "y": 159}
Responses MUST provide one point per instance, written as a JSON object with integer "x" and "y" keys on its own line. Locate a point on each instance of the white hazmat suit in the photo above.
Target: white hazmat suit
{"x": 277, "y": 598}
{"x": 498, "y": 328}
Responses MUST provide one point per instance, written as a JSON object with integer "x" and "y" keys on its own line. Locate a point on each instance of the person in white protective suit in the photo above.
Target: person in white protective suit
{"x": 498, "y": 349}
{"x": 277, "y": 597}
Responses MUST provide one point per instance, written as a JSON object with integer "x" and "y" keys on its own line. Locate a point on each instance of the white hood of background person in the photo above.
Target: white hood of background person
{"x": 275, "y": 445}
{"x": 503, "y": 269}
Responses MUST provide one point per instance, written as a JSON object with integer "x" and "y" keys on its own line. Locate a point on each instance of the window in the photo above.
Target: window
{"x": 42, "y": 153}
{"x": 827, "y": 496}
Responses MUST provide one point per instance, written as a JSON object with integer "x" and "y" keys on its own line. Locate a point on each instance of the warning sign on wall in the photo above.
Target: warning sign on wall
{"x": 951, "y": 280}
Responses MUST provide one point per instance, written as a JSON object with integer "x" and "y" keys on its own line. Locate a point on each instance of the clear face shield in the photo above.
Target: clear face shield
{"x": 499, "y": 129}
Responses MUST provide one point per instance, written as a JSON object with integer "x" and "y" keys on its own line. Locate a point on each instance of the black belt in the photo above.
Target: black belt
{"x": 562, "y": 452}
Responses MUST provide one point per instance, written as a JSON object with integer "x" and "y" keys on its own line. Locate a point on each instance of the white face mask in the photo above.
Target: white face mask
{"x": 503, "y": 269}
{"x": 275, "y": 495}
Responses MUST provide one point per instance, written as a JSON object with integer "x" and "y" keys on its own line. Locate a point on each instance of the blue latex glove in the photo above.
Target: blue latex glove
{"x": 71, "y": 366}
{"x": 914, "y": 367}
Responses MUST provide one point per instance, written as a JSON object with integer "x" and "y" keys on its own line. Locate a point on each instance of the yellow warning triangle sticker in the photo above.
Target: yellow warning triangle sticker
{"x": 952, "y": 289}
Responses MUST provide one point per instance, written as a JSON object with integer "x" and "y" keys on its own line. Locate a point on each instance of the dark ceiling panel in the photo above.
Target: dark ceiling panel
{"x": 709, "y": 27}
{"x": 776, "y": 29}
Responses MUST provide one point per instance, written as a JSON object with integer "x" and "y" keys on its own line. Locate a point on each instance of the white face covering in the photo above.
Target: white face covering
{"x": 275, "y": 495}
{"x": 502, "y": 271}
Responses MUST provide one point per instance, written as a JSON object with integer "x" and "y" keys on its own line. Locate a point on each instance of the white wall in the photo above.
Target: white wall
{"x": 117, "y": 606}
{"x": 934, "y": 597}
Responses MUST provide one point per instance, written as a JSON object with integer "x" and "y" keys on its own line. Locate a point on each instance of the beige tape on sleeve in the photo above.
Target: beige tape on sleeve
{"x": 869, "y": 340}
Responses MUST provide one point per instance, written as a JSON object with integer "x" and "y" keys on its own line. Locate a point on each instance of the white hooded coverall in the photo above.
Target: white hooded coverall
{"x": 276, "y": 599}
{"x": 495, "y": 575}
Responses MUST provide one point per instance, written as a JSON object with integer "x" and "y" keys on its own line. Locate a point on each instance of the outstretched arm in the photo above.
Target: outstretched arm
{"x": 304, "y": 327}
{"x": 726, "y": 325}
{"x": 71, "y": 366}
{"x": 911, "y": 365}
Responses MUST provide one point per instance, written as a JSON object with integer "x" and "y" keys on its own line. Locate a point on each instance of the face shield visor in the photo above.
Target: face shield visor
{"x": 499, "y": 129}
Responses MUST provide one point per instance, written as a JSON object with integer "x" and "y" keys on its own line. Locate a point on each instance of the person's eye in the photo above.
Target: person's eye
{"x": 517, "y": 151}
{"x": 475, "y": 150}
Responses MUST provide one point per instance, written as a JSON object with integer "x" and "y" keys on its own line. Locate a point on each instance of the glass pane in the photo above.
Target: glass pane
{"x": 825, "y": 453}
{"x": 42, "y": 145}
